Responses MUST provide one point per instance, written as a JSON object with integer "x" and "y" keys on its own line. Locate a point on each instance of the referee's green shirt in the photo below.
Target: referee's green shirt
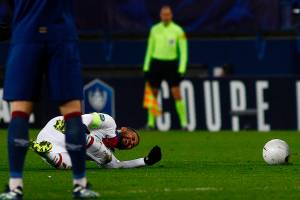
{"x": 167, "y": 43}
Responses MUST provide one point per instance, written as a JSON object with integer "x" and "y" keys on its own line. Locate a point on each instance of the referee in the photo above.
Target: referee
{"x": 166, "y": 59}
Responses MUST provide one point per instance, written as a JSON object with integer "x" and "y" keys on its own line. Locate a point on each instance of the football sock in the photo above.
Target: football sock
{"x": 15, "y": 182}
{"x": 18, "y": 143}
{"x": 151, "y": 119}
{"x": 181, "y": 111}
{"x": 75, "y": 143}
{"x": 81, "y": 181}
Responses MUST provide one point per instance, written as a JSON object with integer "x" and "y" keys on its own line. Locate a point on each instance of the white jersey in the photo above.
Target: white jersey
{"x": 99, "y": 124}
{"x": 53, "y": 132}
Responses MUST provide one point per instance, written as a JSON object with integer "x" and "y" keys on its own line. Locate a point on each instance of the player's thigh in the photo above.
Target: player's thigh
{"x": 155, "y": 81}
{"x": 174, "y": 80}
{"x": 23, "y": 72}
{"x": 155, "y": 76}
{"x": 64, "y": 72}
{"x": 70, "y": 107}
{"x": 172, "y": 76}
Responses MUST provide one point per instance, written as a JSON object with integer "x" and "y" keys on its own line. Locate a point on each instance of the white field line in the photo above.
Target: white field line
{"x": 160, "y": 190}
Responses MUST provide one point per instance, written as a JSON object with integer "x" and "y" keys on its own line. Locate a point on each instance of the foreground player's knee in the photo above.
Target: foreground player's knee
{"x": 22, "y": 106}
{"x": 70, "y": 107}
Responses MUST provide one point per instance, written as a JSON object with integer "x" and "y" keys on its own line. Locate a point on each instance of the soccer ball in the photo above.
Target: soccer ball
{"x": 276, "y": 152}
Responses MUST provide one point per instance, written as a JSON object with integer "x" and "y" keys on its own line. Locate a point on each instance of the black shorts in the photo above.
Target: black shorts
{"x": 163, "y": 70}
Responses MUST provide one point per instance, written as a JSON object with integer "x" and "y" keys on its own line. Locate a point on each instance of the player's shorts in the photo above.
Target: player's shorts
{"x": 163, "y": 70}
{"x": 29, "y": 63}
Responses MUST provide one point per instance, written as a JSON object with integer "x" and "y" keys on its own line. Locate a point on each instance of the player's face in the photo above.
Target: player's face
{"x": 129, "y": 138}
{"x": 166, "y": 15}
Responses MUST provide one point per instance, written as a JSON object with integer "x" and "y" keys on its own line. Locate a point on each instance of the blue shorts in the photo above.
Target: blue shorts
{"x": 29, "y": 63}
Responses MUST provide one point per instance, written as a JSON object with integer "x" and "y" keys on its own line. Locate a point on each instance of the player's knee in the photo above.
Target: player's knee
{"x": 64, "y": 166}
{"x": 61, "y": 161}
{"x": 21, "y": 106}
{"x": 176, "y": 93}
{"x": 70, "y": 107}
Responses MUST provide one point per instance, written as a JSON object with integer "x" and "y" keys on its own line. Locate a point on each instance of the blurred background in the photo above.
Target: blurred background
{"x": 243, "y": 66}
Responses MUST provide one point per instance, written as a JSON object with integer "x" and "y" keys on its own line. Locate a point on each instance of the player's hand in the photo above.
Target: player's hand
{"x": 154, "y": 156}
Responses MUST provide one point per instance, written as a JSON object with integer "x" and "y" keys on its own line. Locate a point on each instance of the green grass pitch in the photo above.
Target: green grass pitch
{"x": 198, "y": 165}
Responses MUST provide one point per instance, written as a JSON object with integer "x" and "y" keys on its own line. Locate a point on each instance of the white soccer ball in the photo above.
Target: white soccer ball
{"x": 276, "y": 152}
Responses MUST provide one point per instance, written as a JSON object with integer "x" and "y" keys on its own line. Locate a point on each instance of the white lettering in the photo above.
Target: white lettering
{"x": 187, "y": 92}
{"x": 262, "y": 106}
{"x": 212, "y": 105}
{"x": 238, "y": 101}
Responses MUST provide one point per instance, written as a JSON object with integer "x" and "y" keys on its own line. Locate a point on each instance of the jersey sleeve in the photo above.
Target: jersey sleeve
{"x": 183, "y": 50}
{"x": 149, "y": 52}
{"x": 116, "y": 164}
{"x": 106, "y": 128}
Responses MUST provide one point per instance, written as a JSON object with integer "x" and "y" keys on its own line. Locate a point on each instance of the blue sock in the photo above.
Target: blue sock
{"x": 18, "y": 143}
{"x": 75, "y": 143}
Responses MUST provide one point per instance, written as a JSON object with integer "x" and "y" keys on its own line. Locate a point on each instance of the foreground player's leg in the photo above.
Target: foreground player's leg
{"x": 75, "y": 144}
{"x": 18, "y": 143}
{"x": 180, "y": 107}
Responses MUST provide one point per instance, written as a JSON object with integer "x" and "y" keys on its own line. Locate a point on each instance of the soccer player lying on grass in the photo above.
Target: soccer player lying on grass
{"x": 102, "y": 137}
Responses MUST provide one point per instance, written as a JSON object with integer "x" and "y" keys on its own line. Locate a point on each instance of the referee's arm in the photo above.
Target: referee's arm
{"x": 183, "y": 51}
{"x": 149, "y": 53}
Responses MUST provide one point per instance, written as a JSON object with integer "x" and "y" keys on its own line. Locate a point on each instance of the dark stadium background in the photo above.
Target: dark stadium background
{"x": 259, "y": 40}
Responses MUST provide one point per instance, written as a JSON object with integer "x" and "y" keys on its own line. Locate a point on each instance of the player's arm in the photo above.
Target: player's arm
{"x": 153, "y": 157}
{"x": 116, "y": 164}
{"x": 183, "y": 51}
{"x": 149, "y": 52}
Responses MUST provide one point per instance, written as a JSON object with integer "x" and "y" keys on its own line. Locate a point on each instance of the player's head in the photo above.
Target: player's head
{"x": 129, "y": 138}
{"x": 166, "y": 14}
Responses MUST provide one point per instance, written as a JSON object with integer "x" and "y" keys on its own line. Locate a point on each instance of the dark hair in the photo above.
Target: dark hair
{"x": 166, "y": 7}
